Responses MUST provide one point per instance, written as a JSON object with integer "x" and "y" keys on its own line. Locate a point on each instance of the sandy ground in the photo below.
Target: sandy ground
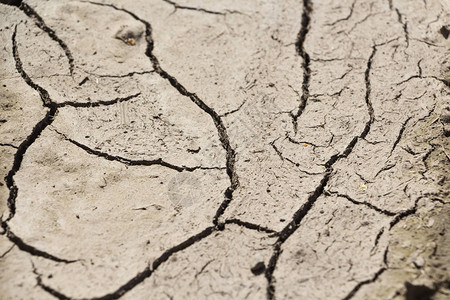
{"x": 223, "y": 149}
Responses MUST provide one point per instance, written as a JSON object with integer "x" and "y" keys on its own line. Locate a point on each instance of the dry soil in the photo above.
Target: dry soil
{"x": 295, "y": 149}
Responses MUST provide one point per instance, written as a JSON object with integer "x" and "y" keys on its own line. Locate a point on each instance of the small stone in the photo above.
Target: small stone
{"x": 259, "y": 268}
{"x": 445, "y": 120}
{"x": 445, "y": 32}
{"x": 419, "y": 262}
{"x": 445, "y": 115}
{"x": 129, "y": 34}
{"x": 418, "y": 292}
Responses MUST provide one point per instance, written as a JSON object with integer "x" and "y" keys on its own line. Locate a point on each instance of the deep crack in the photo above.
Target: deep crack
{"x": 222, "y": 131}
{"x": 306, "y": 207}
{"x": 141, "y": 276}
{"x": 97, "y": 103}
{"x": 251, "y": 226}
{"x": 131, "y": 162}
{"x": 19, "y": 155}
{"x": 400, "y": 134}
{"x": 30, "y": 249}
{"x": 223, "y": 136}
{"x": 300, "y": 47}
{"x": 45, "y": 97}
{"x": 377, "y": 238}
{"x": 218, "y": 224}
{"x": 51, "y": 33}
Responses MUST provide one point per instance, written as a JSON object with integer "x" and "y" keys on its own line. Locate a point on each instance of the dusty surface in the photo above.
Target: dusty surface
{"x": 225, "y": 149}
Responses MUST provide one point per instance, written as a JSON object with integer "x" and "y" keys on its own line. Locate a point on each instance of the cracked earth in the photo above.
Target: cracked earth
{"x": 197, "y": 149}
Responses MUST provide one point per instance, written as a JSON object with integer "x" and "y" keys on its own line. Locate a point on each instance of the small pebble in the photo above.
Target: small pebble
{"x": 259, "y": 268}
{"x": 419, "y": 262}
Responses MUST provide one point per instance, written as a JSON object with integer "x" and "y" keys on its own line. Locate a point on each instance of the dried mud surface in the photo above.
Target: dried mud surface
{"x": 197, "y": 149}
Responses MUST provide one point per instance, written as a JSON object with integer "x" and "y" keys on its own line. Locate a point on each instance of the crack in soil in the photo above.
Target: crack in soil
{"x": 400, "y": 134}
{"x": 223, "y": 136}
{"x": 31, "y": 13}
{"x": 404, "y": 25}
{"x": 298, "y": 216}
{"x": 365, "y": 282}
{"x": 345, "y": 18}
{"x": 281, "y": 156}
{"x": 9, "y": 145}
{"x": 251, "y": 226}
{"x": 19, "y": 155}
{"x": 11, "y": 2}
{"x": 367, "y": 204}
{"x": 30, "y": 249}
{"x": 405, "y": 213}
{"x": 130, "y": 74}
{"x": 7, "y": 251}
{"x": 97, "y": 103}
{"x": 141, "y": 276}
{"x": 149, "y": 270}
{"x": 374, "y": 278}
{"x": 222, "y": 131}
{"x": 305, "y": 208}
{"x": 130, "y": 162}
{"x": 45, "y": 97}
{"x": 377, "y": 238}
{"x": 18, "y": 158}
{"x": 400, "y": 20}
{"x": 177, "y": 6}
{"x": 300, "y": 47}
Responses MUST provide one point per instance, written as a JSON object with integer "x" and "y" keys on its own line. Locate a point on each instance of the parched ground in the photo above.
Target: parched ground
{"x": 153, "y": 149}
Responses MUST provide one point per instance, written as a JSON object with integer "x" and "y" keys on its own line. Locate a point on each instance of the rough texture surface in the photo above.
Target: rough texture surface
{"x": 198, "y": 149}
